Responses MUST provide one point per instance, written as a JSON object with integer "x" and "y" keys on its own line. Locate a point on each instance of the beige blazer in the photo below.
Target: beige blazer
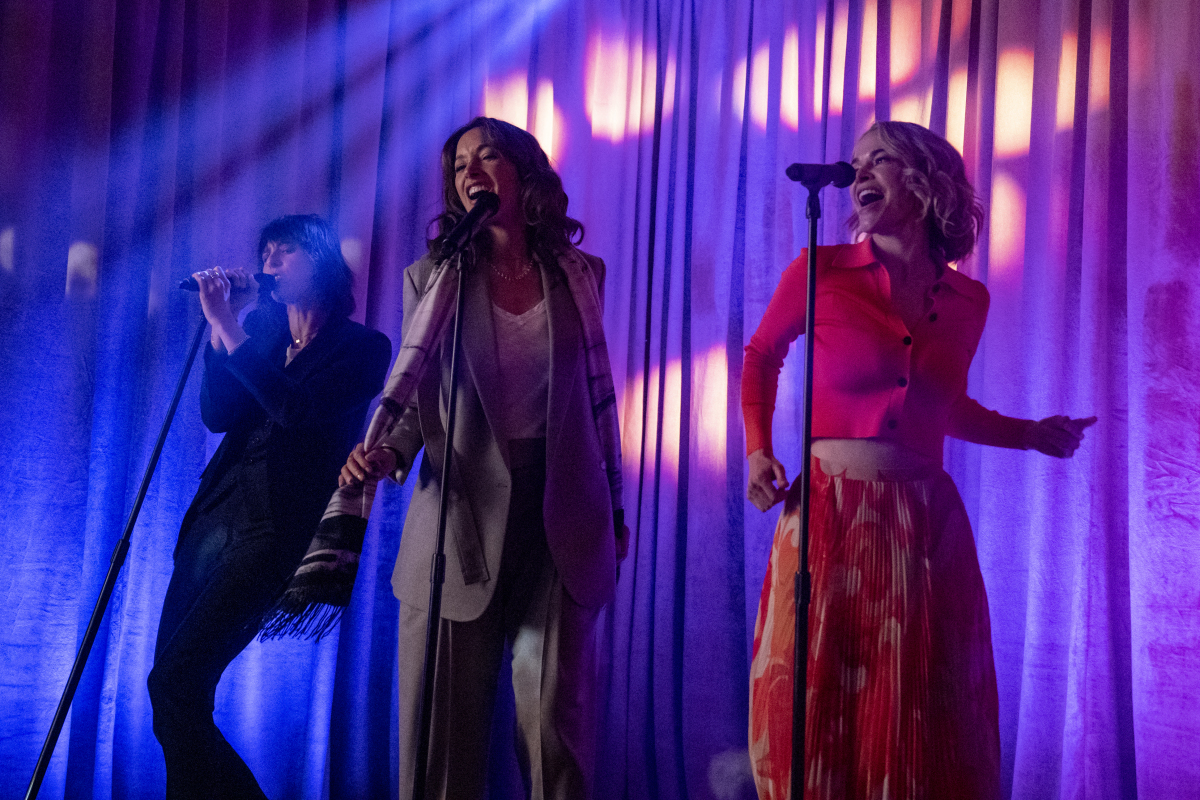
{"x": 578, "y": 504}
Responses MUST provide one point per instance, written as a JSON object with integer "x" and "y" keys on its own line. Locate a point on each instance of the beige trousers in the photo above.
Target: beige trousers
{"x": 552, "y": 639}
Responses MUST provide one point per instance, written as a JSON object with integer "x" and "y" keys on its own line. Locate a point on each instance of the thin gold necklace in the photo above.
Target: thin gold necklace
{"x": 302, "y": 341}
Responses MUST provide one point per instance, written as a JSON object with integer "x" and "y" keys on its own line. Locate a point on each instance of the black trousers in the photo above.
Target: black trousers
{"x": 228, "y": 572}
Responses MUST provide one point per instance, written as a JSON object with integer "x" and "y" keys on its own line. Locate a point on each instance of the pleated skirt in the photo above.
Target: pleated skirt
{"x": 901, "y": 682}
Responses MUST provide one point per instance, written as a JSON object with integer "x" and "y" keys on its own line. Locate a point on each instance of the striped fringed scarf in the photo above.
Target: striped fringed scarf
{"x": 320, "y": 588}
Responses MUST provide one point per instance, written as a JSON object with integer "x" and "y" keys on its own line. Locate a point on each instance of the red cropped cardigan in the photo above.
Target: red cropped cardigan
{"x": 872, "y": 376}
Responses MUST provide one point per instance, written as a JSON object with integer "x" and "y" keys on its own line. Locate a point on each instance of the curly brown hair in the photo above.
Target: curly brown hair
{"x": 548, "y": 229}
{"x": 934, "y": 172}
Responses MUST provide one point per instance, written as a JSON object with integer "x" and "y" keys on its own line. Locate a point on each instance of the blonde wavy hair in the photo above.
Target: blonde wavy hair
{"x": 935, "y": 174}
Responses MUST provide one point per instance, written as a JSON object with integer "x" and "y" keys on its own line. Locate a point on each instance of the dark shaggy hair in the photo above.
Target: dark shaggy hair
{"x": 548, "y": 229}
{"x": 935, "y": 174}
{"x": 333, "y": 280}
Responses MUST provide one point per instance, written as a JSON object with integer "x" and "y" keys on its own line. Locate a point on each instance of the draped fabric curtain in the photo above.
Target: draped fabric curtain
{"x": 143, "y": 140}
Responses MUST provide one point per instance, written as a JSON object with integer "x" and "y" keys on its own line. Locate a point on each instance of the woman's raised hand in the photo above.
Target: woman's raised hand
{"x": 1057, "y": 436}
{"x": 242, "y": 289}
{"x": 364, "y": 467}
{"x": 215, "y": 289}
{"x": 768, "y": 480}
{"x": 222, "y": 296}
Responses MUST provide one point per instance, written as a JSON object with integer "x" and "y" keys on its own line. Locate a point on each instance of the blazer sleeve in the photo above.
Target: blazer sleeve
{"x": 352, "y": 376}
{"x": 247, "y": 380}
{"x": 225, "y": 400}
{"x": 406, "y": 439}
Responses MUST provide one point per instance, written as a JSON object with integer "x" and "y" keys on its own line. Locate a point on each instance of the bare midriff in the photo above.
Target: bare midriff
{"x": 868, "y": 459}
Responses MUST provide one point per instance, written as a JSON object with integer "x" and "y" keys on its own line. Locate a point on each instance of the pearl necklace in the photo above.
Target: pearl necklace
{"x": 515, "y": 276}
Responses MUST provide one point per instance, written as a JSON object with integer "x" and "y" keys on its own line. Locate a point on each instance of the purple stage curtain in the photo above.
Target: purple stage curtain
{"x": 142, "y": 140}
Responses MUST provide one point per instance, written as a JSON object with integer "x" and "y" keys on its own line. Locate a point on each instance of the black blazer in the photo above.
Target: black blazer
{"x": 288, "y": 429}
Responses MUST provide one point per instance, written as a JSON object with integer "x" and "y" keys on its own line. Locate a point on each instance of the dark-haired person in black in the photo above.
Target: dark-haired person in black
{"x": 290, "y": 391}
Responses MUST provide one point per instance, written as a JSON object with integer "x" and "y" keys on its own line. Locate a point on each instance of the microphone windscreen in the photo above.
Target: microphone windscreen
{"x": 844, "y": 175}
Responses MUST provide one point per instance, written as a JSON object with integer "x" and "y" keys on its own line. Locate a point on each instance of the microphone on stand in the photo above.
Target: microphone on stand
{"x": 266, "y": 283}
{"x": 486, "y": 204}
{"x": 814, "y": 176}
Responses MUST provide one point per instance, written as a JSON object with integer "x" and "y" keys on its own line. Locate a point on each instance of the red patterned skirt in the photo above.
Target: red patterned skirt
{"x": 901, "y": 684}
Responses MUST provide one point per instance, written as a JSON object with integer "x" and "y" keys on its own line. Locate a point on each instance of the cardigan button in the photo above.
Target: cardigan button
{"x": 902, "y": 382}
{"x": 907, "y": 340}
{"x": 933, "y": 317}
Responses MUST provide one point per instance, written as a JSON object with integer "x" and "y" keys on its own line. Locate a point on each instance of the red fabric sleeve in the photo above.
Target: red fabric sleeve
{"x": 782, "y": 324}
{"x": 972, "y": 422}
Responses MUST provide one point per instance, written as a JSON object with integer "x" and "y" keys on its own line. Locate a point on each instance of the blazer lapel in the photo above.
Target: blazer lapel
{"x": 565, "y": 336}
{"x": 479, "y": 352}
{"x": 327, "y": 341}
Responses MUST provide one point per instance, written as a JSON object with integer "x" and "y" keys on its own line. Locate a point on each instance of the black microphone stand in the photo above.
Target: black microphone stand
{"x": 812, "y": 177}
{"x": 437, "y": 571}
{"x": 110, "y": 580}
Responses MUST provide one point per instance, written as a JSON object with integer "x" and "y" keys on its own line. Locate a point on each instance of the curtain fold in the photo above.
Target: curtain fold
{"x": 143, "y": 140}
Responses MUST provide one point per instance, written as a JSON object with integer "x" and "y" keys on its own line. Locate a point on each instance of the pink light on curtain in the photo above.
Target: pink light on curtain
{"x": 509, "y": 100}
{"x": 789, "y": 80}
{"x": 759, "y": 86}
{"x": 1098, "y": 80}
{"x": 837, "y": 66}
{"x": 607, "y": 79}
{"x": 913, "y": 107}
{"x": 1097, "y": 77}
{"x": 711, "y": 381}
{"x": 710, "y": 374}
{"x": 1064, "y": 117}
{"x": 631, "y": 422}
{"x": 956, "y": 109}
{"x": 1014, "y": 109}
{"x": 620, "y": 87}
{"x": 870, "y": 44}
{"x": 906, "y": 40}
{"x": 1007, "y": 225}
{"x": 548, "y": 124}
{"x": 818, "y": 64}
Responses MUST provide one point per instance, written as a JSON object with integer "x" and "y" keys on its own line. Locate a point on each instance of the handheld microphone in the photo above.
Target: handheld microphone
{"x": 486, "y": 204}
{"x": 265, "y": 283}
{"x": 814, "y": 176}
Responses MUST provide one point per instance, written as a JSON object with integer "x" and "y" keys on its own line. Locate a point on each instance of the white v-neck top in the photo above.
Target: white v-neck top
{"x": 523, "y": 353}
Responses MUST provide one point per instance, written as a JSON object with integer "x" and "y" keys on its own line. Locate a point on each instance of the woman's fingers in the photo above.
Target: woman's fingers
{"x": 362, "y": 466}
{"x": 1060, "y": 436}
{"x": 381, "y": 462}
{"x": 768, "y": 481}
{"x": 1078, "y": 426}
{"x": 214, "y": 294}
{"x": 353, "y": 471}
{"x": 240, "y": 278}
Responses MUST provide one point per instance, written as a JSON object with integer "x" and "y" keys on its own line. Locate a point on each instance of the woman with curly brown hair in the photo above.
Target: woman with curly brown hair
{"x": 535, "y": 528}
{"x": 901, "y": 696}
